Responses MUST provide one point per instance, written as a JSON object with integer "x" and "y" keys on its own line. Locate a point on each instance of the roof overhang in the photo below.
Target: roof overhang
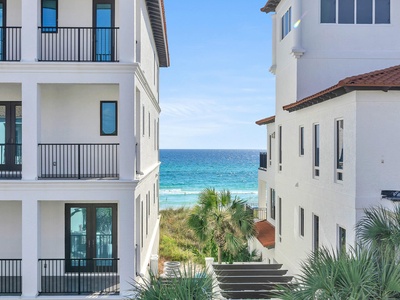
{"x": 266, "y": 234}
{"x": 266, "y": 121}
{"x": 156, "y": 12}
{"x": 270, "y": 6}
{"x": 380, "y": 80}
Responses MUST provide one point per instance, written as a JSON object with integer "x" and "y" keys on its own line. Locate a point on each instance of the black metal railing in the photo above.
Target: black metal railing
{"x": 10, "y": 161}
{"x": 10, "y": 43}
{"x": 263, "y": 160}
{"x": 79, "y": 276}
{"x": 78, "y": 44}
{"x": 10, "y": 276}
{"x": 78, "y": 161}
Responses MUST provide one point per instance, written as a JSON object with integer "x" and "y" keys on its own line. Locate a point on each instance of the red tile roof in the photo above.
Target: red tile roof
{"x": 385, "y": 79}
{"x": 266, "y": 234}
{"x": 270, "y": 6}
{"x": 266, "y": 121}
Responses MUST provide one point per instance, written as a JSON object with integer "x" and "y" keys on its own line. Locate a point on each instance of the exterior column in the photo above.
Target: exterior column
{"x": 30, "y": 129}
{"x": 30, "y": 247}
{"x": 297, "y": 49}
{"x": 126, "y": 246}
{"x": 29, "y": 31}
{"x": 126, "y": 35}
{"x": 126, "y": 127}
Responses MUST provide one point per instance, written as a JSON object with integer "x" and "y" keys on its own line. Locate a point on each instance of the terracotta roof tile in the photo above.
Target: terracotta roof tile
{"x": 270, "y": 6}
{"x": 385, "y": 79}
{"x": 266, "y": 121}
{"x": 266, "y": 234}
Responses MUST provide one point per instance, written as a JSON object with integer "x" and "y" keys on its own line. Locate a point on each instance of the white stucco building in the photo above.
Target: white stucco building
{"x": 79, "y": 146}
{"x": 331, "y": 145}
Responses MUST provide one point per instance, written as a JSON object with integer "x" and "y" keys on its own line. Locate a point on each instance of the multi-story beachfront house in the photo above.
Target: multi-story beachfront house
{"x": 332, "y": 146}
{"x": 79, "y": 148}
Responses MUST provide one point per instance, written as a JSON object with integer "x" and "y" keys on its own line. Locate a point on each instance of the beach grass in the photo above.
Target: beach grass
{"x": 177, "y": 240}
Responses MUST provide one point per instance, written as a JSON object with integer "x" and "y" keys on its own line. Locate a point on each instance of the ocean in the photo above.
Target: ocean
{"x": 185, "y": 173}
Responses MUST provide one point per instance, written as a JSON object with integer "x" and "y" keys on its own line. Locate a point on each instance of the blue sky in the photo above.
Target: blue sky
{"x": 218, "y": 83}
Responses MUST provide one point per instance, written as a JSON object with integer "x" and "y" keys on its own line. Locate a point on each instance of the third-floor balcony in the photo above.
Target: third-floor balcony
{"x": 10, "y": 43}
{"x": 78, "y": 44}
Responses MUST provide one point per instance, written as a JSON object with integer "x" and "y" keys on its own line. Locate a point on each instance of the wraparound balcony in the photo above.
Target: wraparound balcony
{"x": 78, "y": 44}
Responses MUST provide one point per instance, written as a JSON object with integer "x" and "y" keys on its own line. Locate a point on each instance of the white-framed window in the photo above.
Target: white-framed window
{"x": 287, "y": 22}
{"x": 315, "y": 244}
{"x": 339, "y": 149}
{"x": 270, "y": 149}
{"x": 280, "y": 218}
{"x": 341, "y": 239}
{"x": 272, "y": 203}
{"x": 301, "y": 221}
{"x": 280, "y": 147}
{"x": 355, "y": 11}
{"x": 301, "y": 140}
{"x": 143, "y": 120}
{"x": 316, "y": 152}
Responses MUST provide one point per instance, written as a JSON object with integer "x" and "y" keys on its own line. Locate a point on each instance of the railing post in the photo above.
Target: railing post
{"x": 79, "y": 161}
{"x": 79, "y": 277}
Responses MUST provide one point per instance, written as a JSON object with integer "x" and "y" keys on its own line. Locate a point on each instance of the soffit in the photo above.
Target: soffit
{"x": 156, "y": 12}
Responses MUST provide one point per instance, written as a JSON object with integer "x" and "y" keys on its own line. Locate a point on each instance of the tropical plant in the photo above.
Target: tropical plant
{"x": 354, "y": 275}
{"x": 191, "y": 283}
{"x": 218, "y": 218}
{"x": 379, "y": 229}
{"x": 369, "y": 271}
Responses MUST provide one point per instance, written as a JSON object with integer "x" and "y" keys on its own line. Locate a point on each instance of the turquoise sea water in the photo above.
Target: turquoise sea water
{"x": 185, "y": 173}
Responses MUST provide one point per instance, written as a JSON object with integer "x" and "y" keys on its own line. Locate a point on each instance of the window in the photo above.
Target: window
{"x": 341, "y": 239}
{"x": 301, "y": 221}
{"x": 108, "y": 118}
{"x": 316, "y": 150}
{"x": 143, "y": 120}
{"x": 339, "y": 150}
{"x": 280, "y": 147}
{"x": 270, "y": 149}
{"x": 355, "y": 11}
{"x": 287, "y": 22}
{"x": 280, "y": 218}
{"x": 301, "y": 133}
{"x": 272, "y": 199}
{"x": 315, "y": 233}
{"x": 149, "y": 125}
{"x": 49, "y": 15}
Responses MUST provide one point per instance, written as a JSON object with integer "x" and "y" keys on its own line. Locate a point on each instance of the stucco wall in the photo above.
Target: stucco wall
{"x": 10, "y": 229}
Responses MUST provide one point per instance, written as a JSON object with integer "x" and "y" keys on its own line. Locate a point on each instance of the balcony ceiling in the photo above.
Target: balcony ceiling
{"x": 159, "y": 26}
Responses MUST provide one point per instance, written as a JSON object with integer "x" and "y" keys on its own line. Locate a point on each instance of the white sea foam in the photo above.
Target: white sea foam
{"x": 183, "y": 192}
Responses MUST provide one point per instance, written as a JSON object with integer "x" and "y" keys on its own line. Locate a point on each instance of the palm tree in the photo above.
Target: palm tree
{"x": 369, "y": 271}
{"x": 379, "y": 229}
{"x": 225, "y": 221}
{"x": 356, "y": 274}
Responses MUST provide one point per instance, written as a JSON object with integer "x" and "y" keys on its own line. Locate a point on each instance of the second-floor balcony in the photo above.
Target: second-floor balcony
{"x": 10, "y": 43}
{"x": 78, "y": 161}
{"x": 78, "y": 44}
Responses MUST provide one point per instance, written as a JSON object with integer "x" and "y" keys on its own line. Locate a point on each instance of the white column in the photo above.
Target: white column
{"x": 126, "y": 120}
{"x": 30, "y": 247}
{"x": 126, "y": 35}
{"x": 30, "y": 129}
{"x": 29, "y": 31}
{"x": 126, "y": 246}
{"x": 297, "y": 49}
{"x": 272, "y": 69}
